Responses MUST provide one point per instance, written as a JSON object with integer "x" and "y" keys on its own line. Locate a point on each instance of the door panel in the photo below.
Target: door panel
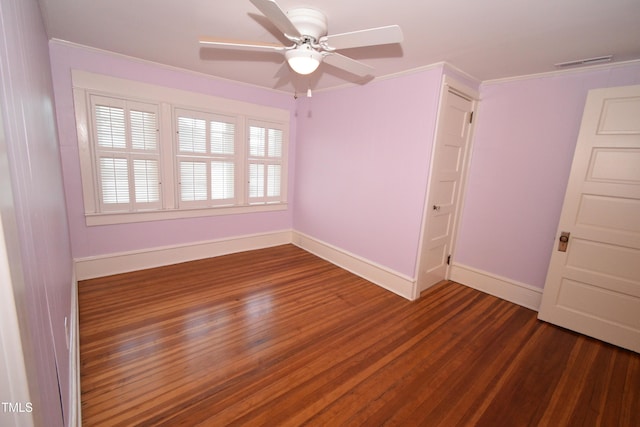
{"x": 620, "y": 116}
{"x": 615, "y": 165}
{"x": 612, "y": 307}
{"x": 594, "y": 287}
{"x": 613, "y": 214}
{"x": 598, "y": 258}
{"x": 444, "y": 187}
{"x": 450, "y": 158}
{"x": 444, "y": 193}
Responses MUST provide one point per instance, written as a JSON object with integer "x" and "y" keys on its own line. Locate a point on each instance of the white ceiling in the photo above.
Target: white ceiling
{"x": 487, "y": 39}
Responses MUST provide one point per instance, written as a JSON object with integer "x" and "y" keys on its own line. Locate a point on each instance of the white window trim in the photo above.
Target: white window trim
{"x": 168, "y": 99}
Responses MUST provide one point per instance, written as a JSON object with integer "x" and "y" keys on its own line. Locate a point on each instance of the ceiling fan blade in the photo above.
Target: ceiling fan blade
{"x": 347, "y": 64}
{"x": 239, "y": 44}
{"x": 271, "y": 10}
{"x": 370, "y": 37}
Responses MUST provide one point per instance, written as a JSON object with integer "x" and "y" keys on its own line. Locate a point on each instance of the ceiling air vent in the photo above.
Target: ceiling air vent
{"x": 588, "y": 61}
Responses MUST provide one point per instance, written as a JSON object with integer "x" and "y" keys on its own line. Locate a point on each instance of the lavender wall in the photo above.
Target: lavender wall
{"x": 362, "y": 165}
{"x": 43, "y": 288}
{"x": 360, "y": 159}
{"x": 523, "y": 148}
{"x": 97, "y": 240}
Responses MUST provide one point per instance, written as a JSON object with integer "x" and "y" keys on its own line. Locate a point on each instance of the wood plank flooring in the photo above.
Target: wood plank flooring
{"x": 279, "y": 337}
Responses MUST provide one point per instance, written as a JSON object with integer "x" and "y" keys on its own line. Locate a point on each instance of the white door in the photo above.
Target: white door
{"x": 594, "y": 287}
{"x": 445, "y": 183}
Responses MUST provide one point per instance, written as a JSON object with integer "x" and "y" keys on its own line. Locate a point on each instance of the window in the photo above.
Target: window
{"x": 125, "y": 136}
{"x": 265, "y": 163}
{"x": 149, "y": 152}
{"x": 206, "y": 159}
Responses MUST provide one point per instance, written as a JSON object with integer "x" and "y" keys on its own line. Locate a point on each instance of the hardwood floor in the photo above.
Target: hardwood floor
{"x": 280, "y": 337}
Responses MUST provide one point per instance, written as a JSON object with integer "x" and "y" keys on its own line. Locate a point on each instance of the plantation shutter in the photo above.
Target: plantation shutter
{"x": 111, "y": 141}
{"x": 206, "y": 159}
{"x": 110, "y": 126}
{"x": 265, "y": 160}
{"x": 127, "y": 154}
{"x": 146, "y": 179}
{"x": 223, "y": 166}
{"x": 114, "y": 179}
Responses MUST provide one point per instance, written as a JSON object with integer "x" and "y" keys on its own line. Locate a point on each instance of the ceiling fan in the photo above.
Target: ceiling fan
{"x": 307, "y": 29}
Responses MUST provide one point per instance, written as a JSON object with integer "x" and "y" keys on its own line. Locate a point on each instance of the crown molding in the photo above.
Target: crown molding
{"x": 441, "y": 64}
{"x": 577, "y": 70}
{"x": 165, "y": 66}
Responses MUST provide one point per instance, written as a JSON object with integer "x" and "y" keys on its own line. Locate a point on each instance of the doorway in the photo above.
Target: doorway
{"x": 449, "y": 162}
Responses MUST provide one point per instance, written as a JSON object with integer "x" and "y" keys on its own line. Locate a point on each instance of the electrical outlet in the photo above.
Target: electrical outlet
{"x": 66, "y": 330}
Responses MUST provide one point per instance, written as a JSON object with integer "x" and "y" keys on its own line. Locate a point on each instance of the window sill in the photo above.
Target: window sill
{"x": 110, "y": 218}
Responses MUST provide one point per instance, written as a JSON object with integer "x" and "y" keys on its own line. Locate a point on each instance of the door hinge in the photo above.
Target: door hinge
{"x": 471, "y": 117}
{"x": 449, "y": 260}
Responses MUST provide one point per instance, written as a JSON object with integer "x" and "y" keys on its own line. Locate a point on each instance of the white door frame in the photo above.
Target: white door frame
{"x": 448, "y": 84}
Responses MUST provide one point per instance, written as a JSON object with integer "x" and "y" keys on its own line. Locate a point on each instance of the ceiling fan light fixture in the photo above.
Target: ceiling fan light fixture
{"x": 303, "y": 59}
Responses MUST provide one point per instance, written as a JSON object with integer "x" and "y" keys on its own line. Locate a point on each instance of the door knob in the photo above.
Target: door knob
{"x": 436, "y": 207}
{"x": 564, "y": 241}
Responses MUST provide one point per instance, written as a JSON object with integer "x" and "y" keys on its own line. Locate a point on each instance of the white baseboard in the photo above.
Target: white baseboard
{"x": 75, "y": 416}
{"x": 123, "y": 262}
{"x": 375, "y": 273}
{"x": 400, "y": 284}
{"x": 518, "y": 293}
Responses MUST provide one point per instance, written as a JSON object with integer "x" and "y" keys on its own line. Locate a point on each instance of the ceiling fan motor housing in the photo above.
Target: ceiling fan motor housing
{"x": 309, "y": 22}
